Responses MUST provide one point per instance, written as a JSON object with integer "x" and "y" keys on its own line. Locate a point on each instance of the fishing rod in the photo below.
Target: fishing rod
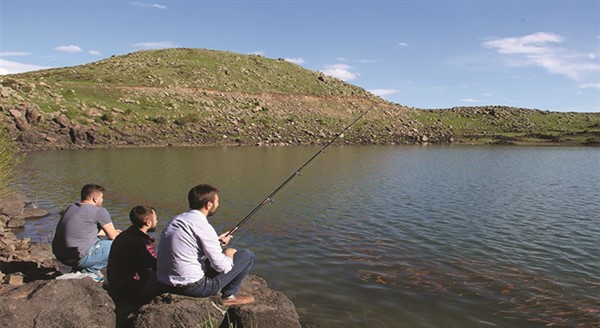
{"x": 294, "y": 175}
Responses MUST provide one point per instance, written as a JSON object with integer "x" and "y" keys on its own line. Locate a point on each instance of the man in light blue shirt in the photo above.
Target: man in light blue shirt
{"x": 190, "y": 258}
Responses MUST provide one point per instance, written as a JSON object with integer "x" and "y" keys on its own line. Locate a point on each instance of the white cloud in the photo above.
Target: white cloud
{"x": 68, "y": 49}
{"x": 542, "y": 50}
{"x": 403, "y": 44}
{"x": 367, "y": 61}
{"x": 148, "y": 5}
{"x": 530, "y": 44}
{"x": 590, "y": 86}
{"x": 341, "y": 59}
{"x": 471, "y": 100}
{"x": 13, "y": 53}
{"x": 297, "y": 61}
{"x": 11, "y": 67}
{"x": 383, "y": 92}
{"x": 258, "y": 53}
{"x": 340, "y": 71}
{"x": 94, "y": 52}
{"x": 155, "y": 45}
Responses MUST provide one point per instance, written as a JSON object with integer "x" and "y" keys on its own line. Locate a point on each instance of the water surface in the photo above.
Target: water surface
{"x": 377, "y": 236}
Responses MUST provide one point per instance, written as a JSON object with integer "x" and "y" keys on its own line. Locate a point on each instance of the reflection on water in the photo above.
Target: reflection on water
{"x": 378, "y": 236}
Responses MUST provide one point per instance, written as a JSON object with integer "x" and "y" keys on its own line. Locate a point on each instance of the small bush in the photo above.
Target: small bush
{"x": 188, "y": 118}
{"x": 107, "y": 117}
{"x": 160, "y": 120}
{"x": 9, "y": 157}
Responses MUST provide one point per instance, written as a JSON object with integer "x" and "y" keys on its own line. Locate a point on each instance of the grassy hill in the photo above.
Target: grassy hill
{"x": 198, "y": 96}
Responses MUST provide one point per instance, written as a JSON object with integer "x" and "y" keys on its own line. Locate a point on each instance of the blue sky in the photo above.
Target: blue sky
{"x": 424, "y": 54}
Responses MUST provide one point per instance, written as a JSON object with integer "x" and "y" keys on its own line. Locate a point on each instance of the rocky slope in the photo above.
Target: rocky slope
{"x": 201, "y": 97}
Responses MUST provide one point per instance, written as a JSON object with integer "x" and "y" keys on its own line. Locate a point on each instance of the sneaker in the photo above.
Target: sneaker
{"x": 237, "y": 300}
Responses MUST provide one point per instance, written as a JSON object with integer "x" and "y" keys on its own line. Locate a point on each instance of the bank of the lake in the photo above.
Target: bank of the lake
{"x": 415, "y": 236}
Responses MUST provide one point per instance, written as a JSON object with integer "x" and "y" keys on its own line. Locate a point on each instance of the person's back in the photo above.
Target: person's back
{"x": 76, "y": 241}
{"x": 132, "y": 260}
{"x": 131, "y": 272}
{"x": 77, "y": 231}
{"x": 188, "y": 240}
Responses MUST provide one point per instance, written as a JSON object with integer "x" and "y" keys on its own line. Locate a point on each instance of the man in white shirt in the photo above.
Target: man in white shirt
{"x": 188, "y": 240}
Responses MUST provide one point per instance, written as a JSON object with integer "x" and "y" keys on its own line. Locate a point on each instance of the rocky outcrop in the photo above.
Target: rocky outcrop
{"x": 21, "y": 260}
{"x": 57, "y": 303}
{"x": 271, "y": 309}
{"x": 15, "y": 209}
{"x": 85, "y": 303}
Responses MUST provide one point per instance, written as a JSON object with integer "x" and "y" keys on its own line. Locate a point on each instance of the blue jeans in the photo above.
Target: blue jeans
{"x": 96, "y": 258}
{"x": 228, "y": 283}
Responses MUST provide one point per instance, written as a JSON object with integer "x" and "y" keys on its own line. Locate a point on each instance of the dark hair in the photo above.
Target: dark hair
{"x": 139, "y": 215}
{"x": 89, "y": 190}
{"x": 200, "y": 195}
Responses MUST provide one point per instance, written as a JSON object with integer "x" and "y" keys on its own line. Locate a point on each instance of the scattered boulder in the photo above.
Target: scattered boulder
{"x": 81, "y": 134}
{"x": 16, "y": 223}
{"x": 63, "y": 121}
{"x": 34, "y": 213}
{"x": 12, "y": 205}
{"x": 15, "y": 279}
{"x": 33, "y": 115}
{"x": 6, "y": 92}
{"x": 15, "y": 113}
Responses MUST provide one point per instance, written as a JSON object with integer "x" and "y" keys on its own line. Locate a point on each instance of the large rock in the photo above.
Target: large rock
{"x": 57, "y": 303}
{"x": 85, "y": 303}
{"x": 12, "y": 205}
{"x": 34, "y": 213}
{"x": 270, "y": 309}
{"x": 169, "y": 310}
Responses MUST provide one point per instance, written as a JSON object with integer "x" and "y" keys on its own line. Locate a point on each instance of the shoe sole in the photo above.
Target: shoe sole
{"x": 237, "y": 303}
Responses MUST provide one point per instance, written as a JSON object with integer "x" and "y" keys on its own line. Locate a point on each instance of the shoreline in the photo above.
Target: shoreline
{"x": 196, "y": 145}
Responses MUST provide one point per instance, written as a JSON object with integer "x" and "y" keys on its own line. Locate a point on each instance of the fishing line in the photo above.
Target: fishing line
{"x": 269, "y": 198}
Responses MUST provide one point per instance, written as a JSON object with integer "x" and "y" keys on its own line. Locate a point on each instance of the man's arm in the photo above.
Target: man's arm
{"x": 212, "y": 249}
{"x": 110, "y": 231}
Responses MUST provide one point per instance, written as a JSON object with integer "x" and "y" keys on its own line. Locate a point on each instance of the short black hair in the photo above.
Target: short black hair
{"x": 200, "y": 195}
{"x": 89, "y": 190}
{"x": 139, "y": 215}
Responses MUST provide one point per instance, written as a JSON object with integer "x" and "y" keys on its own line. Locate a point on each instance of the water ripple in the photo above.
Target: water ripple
{"x": 381, "y": 236}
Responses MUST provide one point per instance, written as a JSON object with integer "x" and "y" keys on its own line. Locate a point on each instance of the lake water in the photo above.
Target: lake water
{"x": 377, "y": 236}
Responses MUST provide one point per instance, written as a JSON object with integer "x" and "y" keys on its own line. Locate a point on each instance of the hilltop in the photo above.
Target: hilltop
{"x": 207, "y": 97}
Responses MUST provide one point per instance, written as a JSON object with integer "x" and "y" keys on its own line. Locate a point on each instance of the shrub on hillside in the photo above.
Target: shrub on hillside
{"x": 189, "y": 118}
{"x": 9, "y": 157}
